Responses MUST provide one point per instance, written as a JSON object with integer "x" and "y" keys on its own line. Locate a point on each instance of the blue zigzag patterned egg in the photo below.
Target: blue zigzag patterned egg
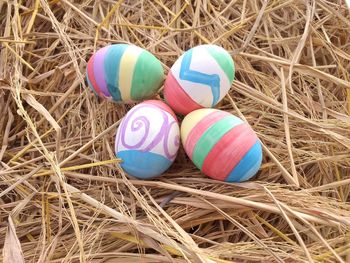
{"x": 200, "y": 78}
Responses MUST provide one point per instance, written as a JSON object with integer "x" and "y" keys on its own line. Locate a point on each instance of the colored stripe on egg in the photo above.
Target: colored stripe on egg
{"x": 111, "y": 67}
{"x": 143, "y": 169}
{"x": 124, "y": 72}
{"x": 199, "y": 129}
{"x": 141, "y": 78}
{"x": 221, "y": 145}
{"x": 248, "y": 166}
{"x": 211, "y": 136}
{"x": 98, "y": 67}
{"x": 177, "y": 98}
{"x": 231, "y": 140}
{"x": 90, "y": 69}
{"x": 224, "y": 60}
{"x": 126, "y": 69}
{"x": 90, "y": 85}
{"x": 190, "y": 122}
{"x": 162, "y": 106}
{"x": 211, "y": 80}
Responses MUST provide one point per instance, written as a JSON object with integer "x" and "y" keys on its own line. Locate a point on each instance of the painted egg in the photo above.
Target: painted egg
{"x": 124, "y": 72}
{"x": 221, "y": 145}
{"x": 200, "y": 78}
{"x": 148, "y": 139}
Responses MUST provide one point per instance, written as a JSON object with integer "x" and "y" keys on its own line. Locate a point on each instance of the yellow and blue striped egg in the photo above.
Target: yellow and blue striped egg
{"x": 221, "y": 145}
{"x": 124, "y": 73}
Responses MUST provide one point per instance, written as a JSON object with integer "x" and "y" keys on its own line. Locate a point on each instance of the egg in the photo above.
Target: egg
{"x": 200, "y": 78}
{"x": 148, "y": 139}
{"x": 221, "y": 145}
{"x": 124, "y": 73}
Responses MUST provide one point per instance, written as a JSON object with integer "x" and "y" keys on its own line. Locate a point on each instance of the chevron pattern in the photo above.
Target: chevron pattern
{"x": 213, "y": 80}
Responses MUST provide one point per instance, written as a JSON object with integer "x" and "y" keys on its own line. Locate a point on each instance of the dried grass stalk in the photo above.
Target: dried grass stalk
{"x": 63, "y": 196}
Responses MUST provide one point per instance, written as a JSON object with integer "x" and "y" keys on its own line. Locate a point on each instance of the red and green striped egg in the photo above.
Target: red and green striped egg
{"x": 200, "y": 78}
{"x": 124, "y": 73}
{"x": 221, "y": 145}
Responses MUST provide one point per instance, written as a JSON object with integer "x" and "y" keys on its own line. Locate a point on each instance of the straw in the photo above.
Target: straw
{"x": 63, "y": 194}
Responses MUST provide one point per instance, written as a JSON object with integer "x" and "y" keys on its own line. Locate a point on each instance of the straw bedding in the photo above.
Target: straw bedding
{"x": 63, "y": 197}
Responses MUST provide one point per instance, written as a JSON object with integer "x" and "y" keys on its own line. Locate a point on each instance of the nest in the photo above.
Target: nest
{"x": 63, "y": 196}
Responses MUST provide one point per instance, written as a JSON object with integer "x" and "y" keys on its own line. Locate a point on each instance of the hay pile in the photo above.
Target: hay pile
{"x": 63, "y": 197}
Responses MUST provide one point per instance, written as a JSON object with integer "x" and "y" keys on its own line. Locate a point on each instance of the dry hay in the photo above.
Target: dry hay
{"x": 63, "y": 197}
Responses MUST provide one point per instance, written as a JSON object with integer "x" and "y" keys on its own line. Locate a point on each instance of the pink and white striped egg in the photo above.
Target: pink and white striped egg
{"x": 200, "y": 78}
